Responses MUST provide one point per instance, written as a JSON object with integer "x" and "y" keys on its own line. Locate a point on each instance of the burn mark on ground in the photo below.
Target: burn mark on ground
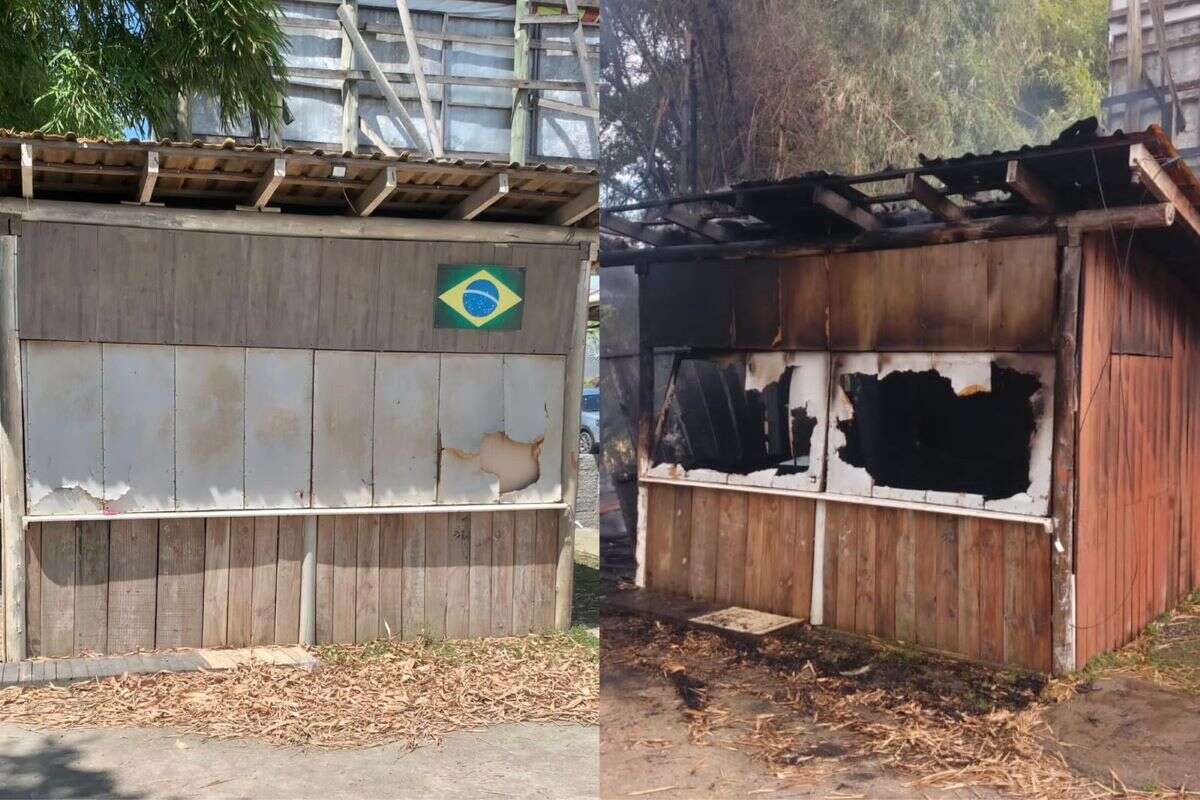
{"x": 910, "y": 430}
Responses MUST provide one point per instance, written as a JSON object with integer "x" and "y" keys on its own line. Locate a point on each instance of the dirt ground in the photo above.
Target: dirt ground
{"x": 685, "y": 713}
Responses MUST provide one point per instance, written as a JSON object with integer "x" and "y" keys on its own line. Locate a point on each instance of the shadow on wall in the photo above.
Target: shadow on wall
{"x": 51, "y": 770}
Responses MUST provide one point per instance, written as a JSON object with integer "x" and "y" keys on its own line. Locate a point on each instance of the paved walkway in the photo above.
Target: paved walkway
{"x": 518, "y": 761}
{"x": 67, "y": 670}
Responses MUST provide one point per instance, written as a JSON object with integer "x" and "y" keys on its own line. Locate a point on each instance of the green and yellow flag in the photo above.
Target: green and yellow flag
{"x": 479, "y": 297}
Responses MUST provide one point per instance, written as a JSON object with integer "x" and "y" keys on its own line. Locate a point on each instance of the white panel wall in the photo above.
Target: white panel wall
{"x": 138, "y": 385}
{"x": 279, "y": 418}
{"x": 210, "y": 425}
{"x": 406, "y": 428}
{"x": 470, "y": 405}
{"x": 533, "y": 410}
{"x": 342, "y": 429}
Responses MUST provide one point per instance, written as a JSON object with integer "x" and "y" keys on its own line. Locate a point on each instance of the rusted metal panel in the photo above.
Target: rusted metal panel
{"x": 210, "y": 403}
{"x": 279, "y": 424}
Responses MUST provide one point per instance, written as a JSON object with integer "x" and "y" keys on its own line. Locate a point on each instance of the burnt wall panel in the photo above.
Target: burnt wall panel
{"x": 688, "y": 304}
{"x": 141, "y": 286}
{"x": 804, "y": 287}
{"x": 756, "y": 304}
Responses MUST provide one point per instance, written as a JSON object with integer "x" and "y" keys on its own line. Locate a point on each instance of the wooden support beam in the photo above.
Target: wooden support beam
{"x": 688, "y": 221}
{"x": 26, "y": 171}
{"x": 1147, "y": 171}
{"x": 270, "y": 181}
{"x": 1023, "y": 183}
{"x": 576, "y": 208}
{"x": 389, "y": 94}
{"x": 548, "y": 19}
{"x": 12, "y": 458}
{"x": 834, "y": 203}
{"x": 568, "y": 108}
{"x": 349, "y": 87}
{"x": 414, "y": 61}
{"x": 1133, "y": 62}
{"x": 482, "y": 198}
{"x": 519, "y": 128}
{"x": 377, "y": 191}
{"x": 375, "y": 137}
{"x": 630, "y": 229}
{"x": 148, "y": 178}
{"x": 942, "y": 207}
{"x": 591, "y": 97}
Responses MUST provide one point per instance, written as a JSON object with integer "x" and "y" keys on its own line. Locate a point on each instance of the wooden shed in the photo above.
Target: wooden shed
{"x": 955, "y": 405}
{"x": 254, "y": 396}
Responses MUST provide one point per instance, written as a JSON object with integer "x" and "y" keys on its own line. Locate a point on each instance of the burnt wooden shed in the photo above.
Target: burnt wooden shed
{"x": 955, "y": 405}
{"x": 255, "y": 396}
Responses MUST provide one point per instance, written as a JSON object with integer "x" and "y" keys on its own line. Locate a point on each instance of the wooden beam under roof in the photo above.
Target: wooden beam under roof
{"x": 568, "y": 108}
{"x": 835, "y": 204}
{"x": 266, "y": 186}
{"x": 378, "y": 190}
{"x": 631, "y": 229}
{"x": 26, "y": 170}
{"x": 375, "y": 138}
{"x": 689, "y": 221}
{"x": 1147, "y": 171}
{"x": 148, "y": 178}
{"x": 414, "y": 61}
{"x": 938, "y": 204}
{"x": 482, "y": 198}
{"x": 1023, "y": 183}
{"x": 389, "y": 94}
{"x": 576, "y": 208}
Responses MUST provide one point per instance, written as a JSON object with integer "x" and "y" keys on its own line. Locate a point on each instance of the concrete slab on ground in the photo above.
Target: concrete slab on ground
{"x": 71, "y": 670}
{"x": 520, "y": 761}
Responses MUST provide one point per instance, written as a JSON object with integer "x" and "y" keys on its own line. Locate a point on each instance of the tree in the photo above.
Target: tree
{"x": 98, "y": 67}
{"x": 788, "y": 86}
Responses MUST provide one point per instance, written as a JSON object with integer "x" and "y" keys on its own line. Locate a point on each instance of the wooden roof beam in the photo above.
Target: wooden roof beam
{"x": 414, "y": 61}
{"x": 576, "y": 208}
{"x": 269, "y": 182}
{"x": 631, "y": 229}
{"x": 942, "y": 207}
{"x": 482, "y": 198}
{"x": 375, "y": 138}
{"x": 839, "y": 206}
{"x": 378, "y": 190}
{"x": 148, "y": 178}
{"x": 689, "y": 221}
{"x": 1023, "y": 183}
{"x": 26, "y": 171}
{"x": 1149, "y": 173}
{"x": 389, "y": 94}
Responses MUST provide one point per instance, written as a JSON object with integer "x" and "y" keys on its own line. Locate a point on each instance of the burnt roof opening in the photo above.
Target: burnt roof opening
{"x": 714, "y": 422}
{"x": 911, "y": 430}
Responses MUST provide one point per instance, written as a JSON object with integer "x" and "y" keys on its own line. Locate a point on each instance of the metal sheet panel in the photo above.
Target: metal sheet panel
{"x": 533, "y": 413}
{"x": 406, "y": 434}
{"x": 138, "y": 385}
{"x": 63, "y": 441}
{"x": 471, "y": 406}
{"x": 279, "y": 407}
{"x": 342, "y": 429}
{"x": 210, "y": 386}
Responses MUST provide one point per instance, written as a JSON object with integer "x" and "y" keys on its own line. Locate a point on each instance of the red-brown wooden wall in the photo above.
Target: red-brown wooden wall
{"x": 1138, "y": 523}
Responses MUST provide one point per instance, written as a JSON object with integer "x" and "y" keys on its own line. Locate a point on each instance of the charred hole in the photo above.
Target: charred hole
{"x": 714, "y": 422}
{"x": 910, "y": 430}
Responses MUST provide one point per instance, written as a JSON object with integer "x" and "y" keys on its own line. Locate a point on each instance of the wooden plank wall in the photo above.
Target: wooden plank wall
{"x": 974, "y": 587}
{"x": 121, "y": 586}
{"x": 1138, "y": 529}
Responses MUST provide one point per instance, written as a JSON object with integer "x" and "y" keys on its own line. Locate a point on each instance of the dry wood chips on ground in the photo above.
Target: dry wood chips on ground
{"x": 945, "y": 723}
{"x": 409, "y": 692}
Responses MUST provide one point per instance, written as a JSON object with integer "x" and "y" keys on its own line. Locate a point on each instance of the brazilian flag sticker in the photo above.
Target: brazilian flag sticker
{"x": 479, "y": 297}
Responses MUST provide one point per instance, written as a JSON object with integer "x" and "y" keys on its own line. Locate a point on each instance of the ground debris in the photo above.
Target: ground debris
{"x": 361, "y": 695}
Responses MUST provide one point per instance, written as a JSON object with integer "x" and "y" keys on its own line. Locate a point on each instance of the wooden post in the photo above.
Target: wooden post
{"x": 564, "y": 582}
{"x": 349, "y": 86}
{"x": 1133, "y": 62}
{"x": 433, "y": 131}
{"x": 308, "y": 584}
{"x": 519, "y": 136}
{"x": 645, "y": 417}
{"x": 1066, "y": 408}
{"x": 12, "y": 456}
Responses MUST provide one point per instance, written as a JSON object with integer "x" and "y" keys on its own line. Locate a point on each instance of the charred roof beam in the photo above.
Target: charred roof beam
{"x": 1021, "y": 182}
{"x": 1149, "y": 173}
{"x": 938, "y": 204}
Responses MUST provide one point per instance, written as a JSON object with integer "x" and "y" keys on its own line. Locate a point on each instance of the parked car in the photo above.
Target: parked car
{"x": 589, "y": 421}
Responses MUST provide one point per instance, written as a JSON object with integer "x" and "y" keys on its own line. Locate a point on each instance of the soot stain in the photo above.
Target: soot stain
{"x": 910, "y": 430}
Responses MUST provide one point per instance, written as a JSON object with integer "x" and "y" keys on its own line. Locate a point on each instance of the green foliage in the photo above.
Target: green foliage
{"x": 852, "y": 85}
{"x": 96, "y": 67}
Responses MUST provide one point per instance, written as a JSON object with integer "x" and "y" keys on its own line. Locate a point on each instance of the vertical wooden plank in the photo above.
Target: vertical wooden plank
{"x": 287, "y": 580}
{"x": 241, "y": 581}
{"x": 681, "y": 541}
{"x": 906, "y": 577}
{"x": 412, "y": 586}
{"x": 843, "y": 519}
{"x": 990, "y": 536}
{"x": 180, "y": 617}
{"x": 345, "y": 579}
{"x": 215, "y": 631}
{"x": 547, "y": 562}
{"x": 886, "y": 524}
{"x": 503, "y": 530}
{"x": 1014, "y": 590}
{"x": 781, "y": 553}
{"x": 947, "y": 582}
{"x": 800, "y": 604}
{"x": 91, "y": 592}
{"x": 264, "y": 580}
{"x": 391, "y": 574}
{"x": 437, "y": 561}
{"x": 458, "y": 576}
{"x": 864, "y": 612}
{"x": 326, "y": 535}
{"x": 1037, "y": 566}
{"x": 756, "y": 536}
{"x": 660, "y": 519}
{"x": 969, "y": 569}
{"x": 829, "y": 569}
{"x": 366, "y": 593}
{"x": 481, "y": 574}
{"x": 33, "y": 589}
{"x": 524, "y": 571}
{"x": 925, "y": 550}
{"x": 731, "y": 549}
{"x": 702, "y": 566}
{"x": 132, "y": 578}
{"x": 59, "y": 570}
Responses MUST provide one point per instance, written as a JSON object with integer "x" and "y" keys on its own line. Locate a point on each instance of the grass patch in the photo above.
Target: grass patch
{"x": 1166, "y": 653}
{"x": 586, "y": 603}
